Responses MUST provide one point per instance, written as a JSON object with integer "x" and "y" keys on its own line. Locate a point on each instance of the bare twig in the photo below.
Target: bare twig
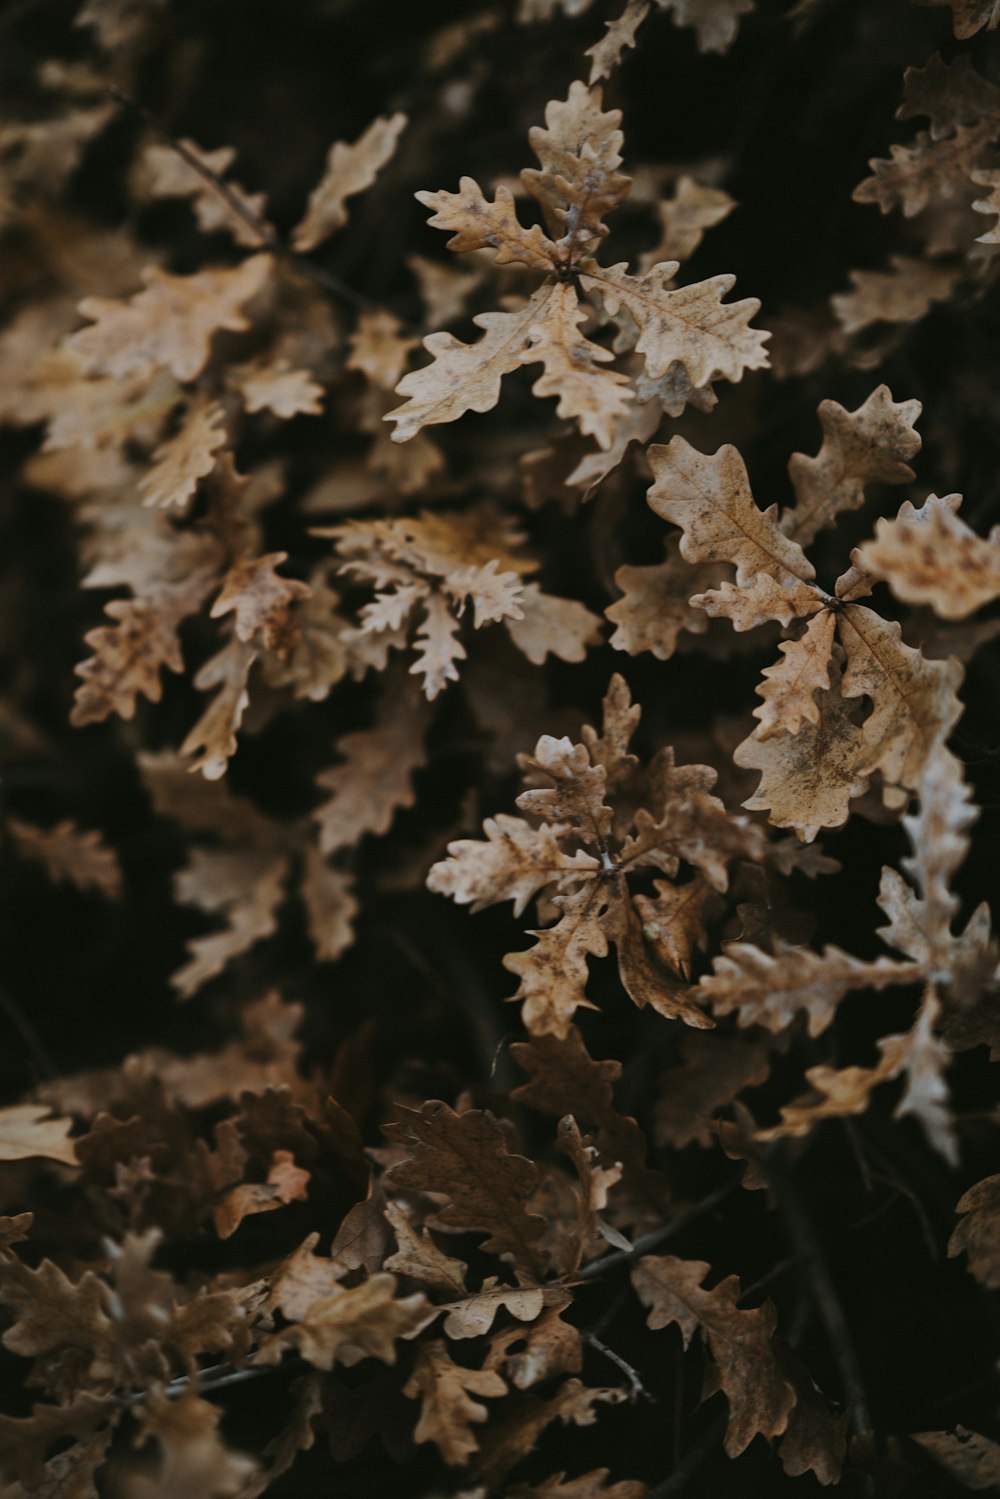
{"x": 637, "y": 1390}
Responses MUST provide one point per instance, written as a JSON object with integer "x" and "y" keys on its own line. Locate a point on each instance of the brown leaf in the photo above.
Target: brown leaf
{"x": 966, "y": 1455}
{"x": 285, "y": 1183}
{"x": 376, "y": 777}
{"x": 67, "y": 853}
{"x": 193, "y": 1459}
{"x": 213, "y": 737}
{"x": 593, "y": 1485}
{"x": 740, "y": 1342}
{"x": 466, "y": 1156}
{"x": 903, "y": 294}
{"x": 333, "y": 1324}
{"x": 447, "y": 1410}
{"x": 978, "y": 1235}
{"x": 26, "y": 1132}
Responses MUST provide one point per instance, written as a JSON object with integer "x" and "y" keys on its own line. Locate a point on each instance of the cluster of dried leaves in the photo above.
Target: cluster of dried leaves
{"x": 342, "y": 1222}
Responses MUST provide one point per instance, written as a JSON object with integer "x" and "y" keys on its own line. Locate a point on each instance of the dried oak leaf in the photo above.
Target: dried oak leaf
{"x": 978, "y": 1235}
{"x": 350, "y": 169}
{"x": 263, "y": 604}
{"x": 375, "y": 778}
{"x": 522, "y": 1418}
{"x": 871, "y": 445}
{"x": 447, "y": 1410}
{"x": 596, "y": 1484}
{"x": 466, "y": 1157}
{"x": 193, "y": 1459}
{"x": 578, "y": 183}
{"x": 741, "y": 1343}
{"x": 971, "y": 1458}
{"x": 903, "y": 294}
{"x": 164, "y": 173}
{"x": 213, "y": 738}
{"x": 278, "y": 388}
{"x": 187, "y": 458}
{"x": 918, "y": 1056}
{"x": 970, "y": 16}
{"x": 930, "y": 556}
{"x": 285, "y": 1183}
{"x": 26, "y": 1131}
{"x": 770, "y": 989}
{"x": 26, "y": 1441}
{"x": 331, "y": 1324}
{"x": 582, "y": 854}
{"x": 68, "y": 853}
{"x": 170, "y": 324}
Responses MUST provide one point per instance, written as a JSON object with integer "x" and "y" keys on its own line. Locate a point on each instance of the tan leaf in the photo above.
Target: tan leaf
{"x": 552, "y": 626}
{"x": 25, "y": 1442}
{"x": 687, "y": 325}
{"x": 262, "y": 603}
{"x": 67, "y": 853}
{"x": 927, "y": 172}
{"x": 765, "y": 598}
{"x": 916, "y": 1055}
{"x": 466, "y": 377}
{"x": 171, "y": 323}
{"x": 770, "y": 990}
{"x": 193, "y": 1459}
{"x": 579, "y": 183}
{"x": 350, "y": 169}
{"x": 418, "y": 1257}
{"x": 246, "y": 887}
{"x": 187, "y": 458}
{"x": 284, "y": 391}
{"x": 213, "y": 737}
{"x": 466, "y": 1156}
{"x": 970, "y": 16}
{"x": 808, "y": 779}
{"x": 340, "y": 1325}
{"x": 715, "y": 22}
{"x": 447, "y": 1411}
{"x": 514, "y": 863}
{"x": 26, "y": 1131}
{"x": 331, "y": 905}
{"x": 871, "y": 445}
{"x": 683, "y": 219}
{"x": 790, "y": 687}
{"x": 930, "y": 556}
{"x": 978, "y": 1235}
{"x": 673, "y": 922}
{"x": 606, "y": 54}
{"x": 741, "y": 1342}
{"x": 530, "y": 1355}
{"x": 438, "y": 646}
{"x": 473, "y": 1314}
{"x": 903, "y": 294}
{"x": 596, "y": 399}
{"x": 165, "y": 174}
{"x": 972, "y": 1459}
{"x": 478, "y": 224}
{"x": 285, "y": 1183}
{"x": 708, "y": 496}
{"x": 656, "y": 605}
{"x": 130, "y": 654}
{"x": 376, "y": 777}
{"x": 915, "y": 700}
{"x": 554, "y": 972}
{"x": 593, "y": 1485}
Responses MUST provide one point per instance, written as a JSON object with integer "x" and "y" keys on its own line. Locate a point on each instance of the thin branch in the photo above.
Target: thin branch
{"x": 659, "y": 1235}
{"x": 267, "y": 236}
{"x": 637, "y": 1390}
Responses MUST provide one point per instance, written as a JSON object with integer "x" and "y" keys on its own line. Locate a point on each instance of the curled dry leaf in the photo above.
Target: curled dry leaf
{"x": 26, "y": 1131}
{"x": 448, "y": 1411}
